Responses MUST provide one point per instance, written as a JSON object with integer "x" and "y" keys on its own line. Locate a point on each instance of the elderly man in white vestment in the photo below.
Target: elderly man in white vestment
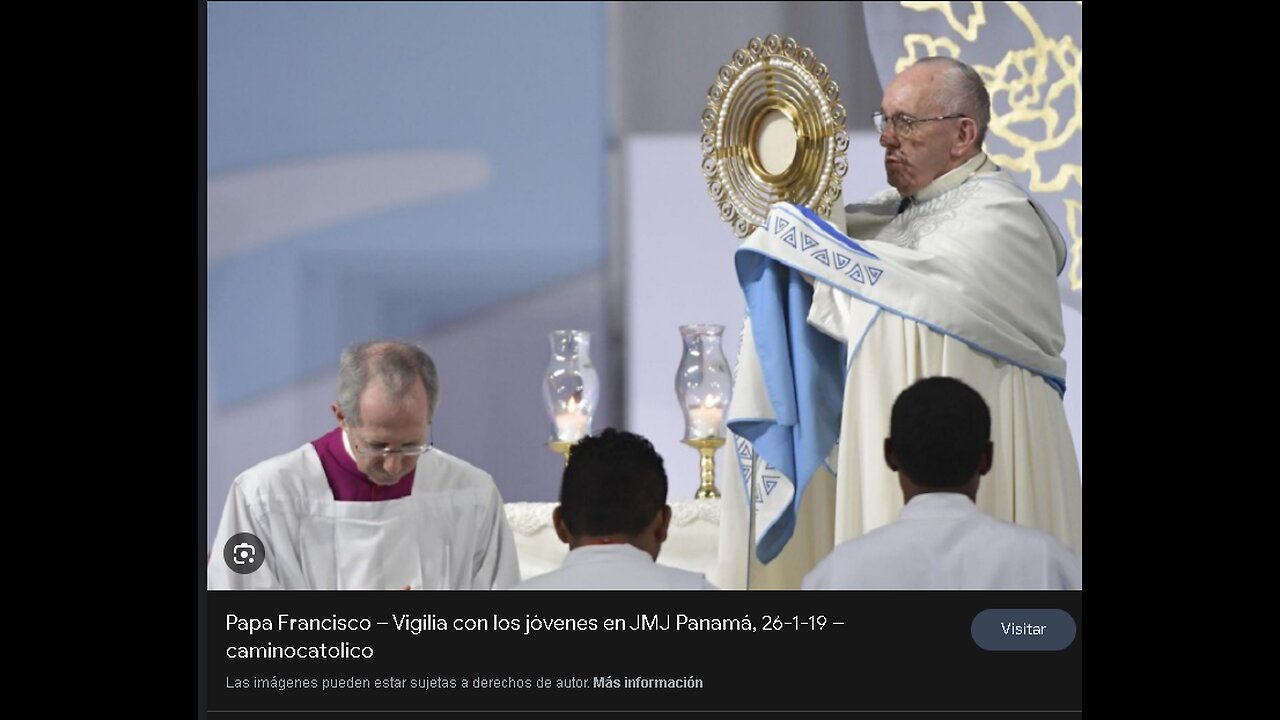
{"x": 371, "y": 505}
{"x": 951, "y": 272}
{"x": 938, "y": 446}
{"x": 614, "y": 516}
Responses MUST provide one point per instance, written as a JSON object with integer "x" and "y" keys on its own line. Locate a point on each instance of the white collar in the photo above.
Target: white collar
{"x": 938, "y": 504}
{"x": 954, "y": 178}
{"x": 606, "y": 552}
{"x": 346, "y": 445}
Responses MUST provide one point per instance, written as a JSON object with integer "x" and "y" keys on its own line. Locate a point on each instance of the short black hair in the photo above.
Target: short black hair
{"x": 613, "y": 483}
{"x": 939, "y": 428}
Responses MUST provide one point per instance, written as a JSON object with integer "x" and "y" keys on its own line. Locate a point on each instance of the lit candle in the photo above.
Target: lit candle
{"x": 705, "y": 422}
{"x": 570, "y": 427}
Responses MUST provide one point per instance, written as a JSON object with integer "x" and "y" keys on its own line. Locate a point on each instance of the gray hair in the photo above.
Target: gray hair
{"x": 397, "y": 365}
{"x": 962, "y": 92}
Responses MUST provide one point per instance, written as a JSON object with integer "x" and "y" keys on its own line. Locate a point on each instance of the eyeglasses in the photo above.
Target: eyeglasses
{"x": 383, "y": 451}
{"x": 903, "y": 125}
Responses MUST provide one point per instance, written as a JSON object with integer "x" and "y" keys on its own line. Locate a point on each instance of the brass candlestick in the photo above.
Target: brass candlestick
{"x": 563, "y": 447}
{"x": 706, "y": 448}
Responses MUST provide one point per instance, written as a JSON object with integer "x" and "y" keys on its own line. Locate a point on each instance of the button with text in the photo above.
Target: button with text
{"x": 1043, "y": 629}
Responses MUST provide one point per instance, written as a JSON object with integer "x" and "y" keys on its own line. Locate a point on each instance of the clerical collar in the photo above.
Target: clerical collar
{"x": 346, "y": 445}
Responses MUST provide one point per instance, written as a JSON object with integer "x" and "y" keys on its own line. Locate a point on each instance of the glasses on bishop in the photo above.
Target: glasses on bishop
{"x": 384, "y": 450}
{"x": 902, "y": 124}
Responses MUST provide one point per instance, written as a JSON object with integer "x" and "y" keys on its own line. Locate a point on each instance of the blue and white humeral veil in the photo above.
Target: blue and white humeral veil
{"x": 789, "y": 392}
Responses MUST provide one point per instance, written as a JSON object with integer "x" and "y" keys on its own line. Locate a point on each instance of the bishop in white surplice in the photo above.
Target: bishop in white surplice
{"x": 372, "y": 505}
{"x": 449, "y": 533}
